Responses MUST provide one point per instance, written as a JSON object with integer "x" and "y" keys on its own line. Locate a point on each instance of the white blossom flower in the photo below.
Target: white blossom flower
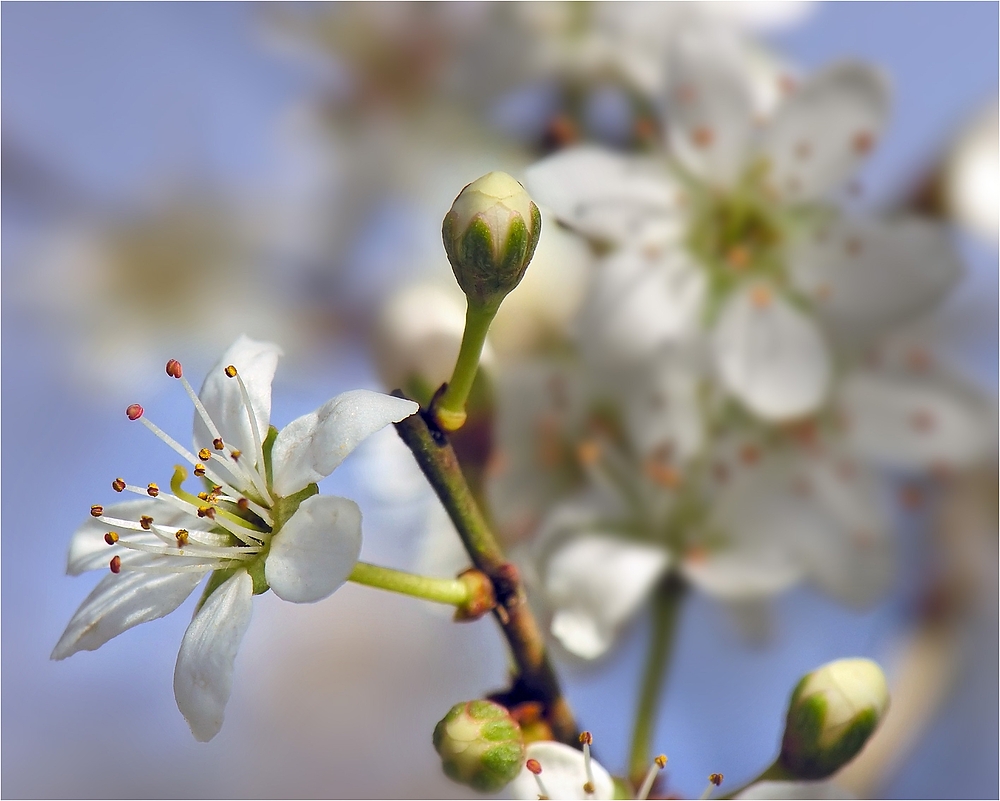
{"x": 554, "y": 770}
{"x": 742, "y": 525}
{"x": 735, "y": 235}
{"x": 259, "y": 525}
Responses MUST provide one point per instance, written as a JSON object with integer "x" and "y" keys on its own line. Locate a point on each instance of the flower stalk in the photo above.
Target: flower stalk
{"x": 449, "y": 407}
{"x": 453, "y": 592}
{"x": 666, "y": 606}
{"x": 535, "y": 677}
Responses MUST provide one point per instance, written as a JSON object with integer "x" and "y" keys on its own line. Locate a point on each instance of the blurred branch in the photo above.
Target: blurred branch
{"x": 536, "y": 679}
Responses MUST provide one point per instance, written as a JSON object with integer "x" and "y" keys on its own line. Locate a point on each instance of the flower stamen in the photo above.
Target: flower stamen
{"x": 647, "y": 783}
{"x": 535, "y": 768}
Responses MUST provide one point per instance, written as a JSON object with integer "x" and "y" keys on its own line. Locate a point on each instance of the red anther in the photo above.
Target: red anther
{"x": 206, "y": 511}
{"x": 243, "y": 503}
{"x": 96, "y": 510}
{"x": 116, "y": 564}
{"x": 174, "y": 369}
{"x": 534, "y": 766}
{"x": 863, "y": 142}
{"x": 749, "y": 454}
{"x": 588, "y": 788}
{"x": 152, "y": 490}
{"x": 118, "y": 485}
{"x": 111, "y": 537}
{"x": 716, "y": 779}
{"x": 218, "y": 444}
{"x": 922, "y": 421}
{"x": 231, "y": 371}
{"x": 134, "y": 412}
{"x": 703, "y": 137}
{"x": 146, "y": 522}
{"x": 586, "y": 738}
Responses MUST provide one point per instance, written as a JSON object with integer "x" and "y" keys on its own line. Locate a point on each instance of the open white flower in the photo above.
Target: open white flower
{"x": 554, "y": 770}
{"x": 260, "y": 524}
{"x": 748, "y": 525}
{"x": 735, "y": 235}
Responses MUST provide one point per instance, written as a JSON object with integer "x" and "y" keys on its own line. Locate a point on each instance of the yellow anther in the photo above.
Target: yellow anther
{"x": 203, "y": 496}
{"x": 199, "y": 469}
{"x": 588, "y": 452}
{"x": 206, "y": 511}
{"x": 204, "y": 454}
{"x": 146, "y": 522}
{"x": 586, "y": 737}
{"x": 661, "y": 761}
{"x": 182, "y": 537}
{"x": 96, "y": 510}
{"x": 716, "y": 779}
{"x": 152, "y": 490}
{"x": 231, "y": 371}
{"x": 111, "y": 537}
{"x": 118, "y": 485}
{"x": 761, "y": 296}
{"x": 588, "y": 788}
{"x": 218, "y": 444}
{"x": 236, "y": 454}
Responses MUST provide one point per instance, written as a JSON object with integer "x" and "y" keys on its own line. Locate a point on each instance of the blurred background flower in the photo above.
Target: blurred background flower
{"x": 175, "y": 175}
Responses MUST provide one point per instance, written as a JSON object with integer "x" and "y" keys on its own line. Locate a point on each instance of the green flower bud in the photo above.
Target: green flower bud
{"x": 490, "y": 235}
{"x": 832, "y": 713}
{"x": 480, "y": 745}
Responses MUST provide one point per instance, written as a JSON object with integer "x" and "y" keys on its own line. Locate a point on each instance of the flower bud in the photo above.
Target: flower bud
{"x": 490, "y": 235}
{"x": 480, "y": 745}
{"x": 832, "y": 713}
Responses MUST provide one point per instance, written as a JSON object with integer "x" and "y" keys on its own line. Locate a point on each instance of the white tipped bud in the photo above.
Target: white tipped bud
{"x": 480, "y": 745}
{"x": 832, "y": 713}
{"x": 490, "y": 235}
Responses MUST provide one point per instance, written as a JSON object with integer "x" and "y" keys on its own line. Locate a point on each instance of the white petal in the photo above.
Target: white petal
{"x": 89, "y": 551}
{"x": 864, "y": 276}
{"x": 607, "y": 197}
{"x": 256, "y": 363}
{"x": 916, "y": 423}
{"x": 121, "y": 601}
{"x": 770, "y": 355}
{"x": 640, "y": 301}
{"x": 710, "y": 114}
{"x": 310, "y": 448}
{"x": 848, "y": 549}
{"x": 203, "y": 676}
{"x": 818, "y": 137}
{"x": 663, "y": 412}
{"x": 793, "y": 790}
{"x": 596, "y": 583}
{"x": 316, "y": 550}
{"x": 756, "y": 561}
{"x": 563, "y": 774}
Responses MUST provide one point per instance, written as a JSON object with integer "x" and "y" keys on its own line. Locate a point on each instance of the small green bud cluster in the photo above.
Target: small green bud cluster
{"x": 832, "y": 713}
{"x": 490, "y": 235}
{"x": 480, "y": 745}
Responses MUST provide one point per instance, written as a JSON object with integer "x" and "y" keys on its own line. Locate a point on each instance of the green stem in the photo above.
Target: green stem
{"x": 536, "y": 680}
{"x": 775, "y": 772}
{"x": 666, "y": 605}
{"x": 449, "y": 410}
{"x": 443, "y": 591}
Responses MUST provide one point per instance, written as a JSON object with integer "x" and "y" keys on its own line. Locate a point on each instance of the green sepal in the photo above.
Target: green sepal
{"x": 267, "y": 446}
{"x": 284, "y": 508}
{"x": 802, "y": 752}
